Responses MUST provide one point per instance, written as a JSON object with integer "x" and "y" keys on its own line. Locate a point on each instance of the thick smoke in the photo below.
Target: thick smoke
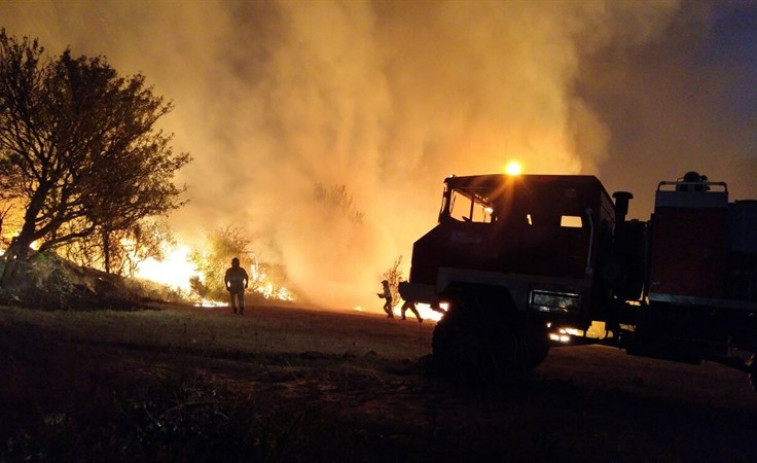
{"x": 326, "y": 128}
{"x": 686, "y": 100}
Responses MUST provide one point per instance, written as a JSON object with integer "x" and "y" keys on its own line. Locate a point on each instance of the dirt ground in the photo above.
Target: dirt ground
{"x": 283, "y": 384}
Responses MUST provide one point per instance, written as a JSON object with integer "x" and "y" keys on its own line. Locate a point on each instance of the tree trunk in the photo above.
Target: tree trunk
{"x": 106, "y": 250}
{"x": 8, "y": 270}
{"x": 19, "y": 247}
{"x": 15, "y": 252}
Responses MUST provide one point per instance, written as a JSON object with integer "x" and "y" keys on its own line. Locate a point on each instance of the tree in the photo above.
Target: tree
{"x": 128, "y": 248}
{"x": 79, "y": 146}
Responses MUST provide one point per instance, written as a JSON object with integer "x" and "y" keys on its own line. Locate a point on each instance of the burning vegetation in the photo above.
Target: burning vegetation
{"x": 84, "y": 175}
{"x": 266, "y": 280}
{"x": 170, "y": 272}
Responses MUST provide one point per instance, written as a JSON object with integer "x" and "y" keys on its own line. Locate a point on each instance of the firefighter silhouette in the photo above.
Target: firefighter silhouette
{"x": 386, "y": 294}
{"x": 411, "y": 306}
{"x": 236, "y": 281}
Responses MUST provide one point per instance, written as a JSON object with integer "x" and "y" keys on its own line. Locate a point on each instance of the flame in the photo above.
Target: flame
{"x": 423, "y": 309}
{"x": 174, "y": 270}
{"x": 263, "y": 285}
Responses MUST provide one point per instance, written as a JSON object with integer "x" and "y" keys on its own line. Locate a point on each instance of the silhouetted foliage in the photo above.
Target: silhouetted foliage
{"x": 145, "y": 239}
{"x": 339, "y": 198}
{"x": 266, "y": 279}
{"x": 79, "y": 148}
{"x": 221, "y": 246}
{"x": 394, "y": 275}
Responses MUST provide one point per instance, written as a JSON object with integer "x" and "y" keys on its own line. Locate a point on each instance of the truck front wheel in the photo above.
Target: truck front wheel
{"x": 474, "y": 345}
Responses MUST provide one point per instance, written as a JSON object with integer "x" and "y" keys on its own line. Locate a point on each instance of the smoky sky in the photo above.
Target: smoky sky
{"x": 684, "y": 101}
{"x": 325, "y": 129}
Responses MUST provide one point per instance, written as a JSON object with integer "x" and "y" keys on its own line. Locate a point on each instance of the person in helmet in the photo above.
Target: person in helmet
{"x": 386, "y": 293}
{"x": 236, "y": 281}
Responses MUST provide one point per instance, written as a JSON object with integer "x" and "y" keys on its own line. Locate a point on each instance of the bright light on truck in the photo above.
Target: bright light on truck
{"x": 513, "y": 168}
{"x": 560, "y": 336}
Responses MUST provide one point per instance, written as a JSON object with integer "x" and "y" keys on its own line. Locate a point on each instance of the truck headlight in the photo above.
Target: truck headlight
{"x": 560, "y": 336}
{"x": 553, "y": 301}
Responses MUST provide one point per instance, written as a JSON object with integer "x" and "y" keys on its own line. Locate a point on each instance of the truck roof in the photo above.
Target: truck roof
{"x": 492, "y": 182}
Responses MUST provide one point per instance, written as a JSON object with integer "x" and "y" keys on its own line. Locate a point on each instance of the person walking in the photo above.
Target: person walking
{"x": 387, "y": 294}
{"x": 411, "y": 306}
{"x": 236, "y": 281}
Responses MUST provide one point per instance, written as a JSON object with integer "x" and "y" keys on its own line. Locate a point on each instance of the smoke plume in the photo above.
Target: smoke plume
{"x": 326, "y": 128}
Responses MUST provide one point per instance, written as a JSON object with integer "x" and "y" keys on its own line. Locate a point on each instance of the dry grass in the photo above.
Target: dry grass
{"x": 185, "y": 384}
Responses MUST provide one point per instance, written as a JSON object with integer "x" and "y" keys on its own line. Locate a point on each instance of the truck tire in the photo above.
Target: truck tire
{"x": 483, "y": 339}
{"x": 458, "y": 352}
{"x": 535, "y": 334}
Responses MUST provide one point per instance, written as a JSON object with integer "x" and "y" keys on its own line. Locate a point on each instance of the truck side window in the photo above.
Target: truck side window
{"x": 570, "y": 221}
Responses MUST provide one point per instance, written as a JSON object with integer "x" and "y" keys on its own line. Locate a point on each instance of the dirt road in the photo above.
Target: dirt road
{"x": 282, "y": 384}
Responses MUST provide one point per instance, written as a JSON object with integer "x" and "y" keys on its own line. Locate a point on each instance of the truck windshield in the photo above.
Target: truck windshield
{"x": 555, "y": 206}
{"x": 469, "y": 207}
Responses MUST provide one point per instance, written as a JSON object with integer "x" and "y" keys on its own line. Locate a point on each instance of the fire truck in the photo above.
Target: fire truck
{"x": 524, "y": 262}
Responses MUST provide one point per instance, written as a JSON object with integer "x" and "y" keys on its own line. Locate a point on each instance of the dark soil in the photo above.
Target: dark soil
{"x": 183, "y": 384}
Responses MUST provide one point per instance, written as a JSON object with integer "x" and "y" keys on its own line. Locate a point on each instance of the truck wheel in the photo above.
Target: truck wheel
{"x": 458, "y": 352}
{"x": 473, "y": 346}
{"x": 537, "y": 340}
{"x": 523, "y": 345}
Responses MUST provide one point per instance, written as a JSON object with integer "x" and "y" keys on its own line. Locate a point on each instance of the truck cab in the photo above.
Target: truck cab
{"x": 518, "y": 252}
{"x": 540, "y": 237}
